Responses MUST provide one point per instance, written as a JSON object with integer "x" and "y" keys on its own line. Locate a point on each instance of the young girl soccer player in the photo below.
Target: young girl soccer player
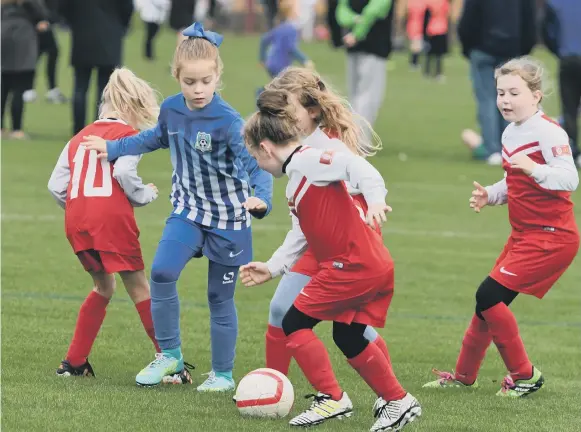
{"x": 99, "y": 221}
{"x": 539, "y": 177}
{"x": 212, "y": 175}
{"x": 318, "y": 109}
{"x": 354, "y": 283}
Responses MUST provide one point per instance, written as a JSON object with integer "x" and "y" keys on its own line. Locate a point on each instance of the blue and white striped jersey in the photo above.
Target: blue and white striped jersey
{"x": 212, "y": 170}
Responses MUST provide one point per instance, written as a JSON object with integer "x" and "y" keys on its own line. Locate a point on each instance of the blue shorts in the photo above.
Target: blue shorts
{"x": 226, "y": 247}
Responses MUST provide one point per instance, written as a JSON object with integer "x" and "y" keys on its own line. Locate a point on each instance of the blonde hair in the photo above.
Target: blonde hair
{"x": 131, "y": 97}
{"x": 286, "y": 9}
{"x": 530, "y": 70}
{"x": 336, "y": 113}
{"x": 192, "y": 49}
{"x": 275, "y": 120}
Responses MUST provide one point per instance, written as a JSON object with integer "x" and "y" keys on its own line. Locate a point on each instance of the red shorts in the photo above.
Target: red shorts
{"x": 532, "y": 265}
{"x": 109, "y": 262}
{"x": 307, "y": 264}
{"x": 348, "y": 295}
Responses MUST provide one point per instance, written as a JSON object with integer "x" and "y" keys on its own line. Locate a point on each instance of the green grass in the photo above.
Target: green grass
{"x": 442, "y": 252}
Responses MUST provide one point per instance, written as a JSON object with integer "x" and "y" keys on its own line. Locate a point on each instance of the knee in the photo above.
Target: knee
{"x": 349, "y": 339}
{"x": 277, "y": 312}
{"x": 294, "y": 320}
{"x": 163, "y": 273}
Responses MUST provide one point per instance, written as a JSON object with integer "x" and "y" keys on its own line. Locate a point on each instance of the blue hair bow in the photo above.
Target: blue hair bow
{"x": 196, "y": 30}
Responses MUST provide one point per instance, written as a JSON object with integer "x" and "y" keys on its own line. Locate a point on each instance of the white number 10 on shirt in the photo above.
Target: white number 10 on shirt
{"x": 89, "y": 188}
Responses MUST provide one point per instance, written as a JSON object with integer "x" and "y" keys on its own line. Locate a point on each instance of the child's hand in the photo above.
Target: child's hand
{"x": 479, "y": 197}
{"x": 376, "y": 214}
{"x": 255, "y": 204}
{"x": 523, "y": 163}
{"x": 93, "y": 142}
{"x": 254, "y": 273}
{"x": 42, "y": 26}
{"x": 154, "y": 187}
{"x": 349, "y": 40}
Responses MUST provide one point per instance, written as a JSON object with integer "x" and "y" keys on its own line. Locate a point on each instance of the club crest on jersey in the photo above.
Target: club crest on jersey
{"x": 326, "y": 157}
{"x": 203, "y": 142}
{"x": 561, "y": 150}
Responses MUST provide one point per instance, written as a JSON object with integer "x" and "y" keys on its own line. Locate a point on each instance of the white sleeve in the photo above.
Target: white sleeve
{"x": 324, "y": 167}
{"x": 289, "y": 252}
{"x": 60, "y": 178}
{"x": 498, "y": 192}
{"x": 559, "y": 173}
{"x": 125, "y": 172}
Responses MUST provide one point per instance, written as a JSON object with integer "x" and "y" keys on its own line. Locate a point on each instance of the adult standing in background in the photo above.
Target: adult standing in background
{"x": 97, "y": 28}
{"x": 20, "y": 21}
{"x": 368, "y": 41}
{"x": 181, "y": 15}
{"x": 153, "y": 13}
{"x": 562, "y": 35}
{"x": 492, "y": 32}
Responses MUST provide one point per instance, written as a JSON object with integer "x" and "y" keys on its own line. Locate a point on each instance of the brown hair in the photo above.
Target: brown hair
{"x": 275, "y": 120}
{"x": 336, "y": 113}
{"x": 131, "y": 97}
{"x": 530, "y": 70}
{"x": 192, "y": 49}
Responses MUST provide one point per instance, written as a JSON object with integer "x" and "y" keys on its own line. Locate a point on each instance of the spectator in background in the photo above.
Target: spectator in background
{"x": 416, "y": 12}
{"x": 181, "y": 15}
{"x": 437, "y": 36}
{"x": 97, "y": 31}
{"x": 562, "y": 35}
{"x": 47, "y": 44}
{"x": 492, "y": 32}
{"x": 368, "y": 41}
{"x": 334, "y": 27}
{"x": 20, "y": 19}
{"x": 153, "y": 13}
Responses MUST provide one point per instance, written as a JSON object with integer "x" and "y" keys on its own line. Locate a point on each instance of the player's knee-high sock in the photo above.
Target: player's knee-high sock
{"x": 89, "y": 321}
{"x": 278, "y": 357}
{"x": 170, "y": 259}
{"x": 502, "y": 324}
{"x": 376, "y": 370}
{"x": 144, "y": 311}
{"x": 372, "y": 336}
{"x": 223, "y": 316}
{"x": 313, "y": 359}
{"x": 474, "y": 345}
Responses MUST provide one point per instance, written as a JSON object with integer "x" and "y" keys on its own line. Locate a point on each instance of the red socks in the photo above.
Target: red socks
{"x": 474, "y": 345}
{"x": 503, "y": 327}
{"x": 144, "y": 311}
{"x": 382, "y": 346}
{"x": 312, "y": 357}
{"x": 91, "y": 316}
{"x": 278, "y": 357}
{"x": 376, "y": 370}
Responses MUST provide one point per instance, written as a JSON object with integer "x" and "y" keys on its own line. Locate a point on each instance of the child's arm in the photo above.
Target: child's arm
{"x": 375, "y": 10}
{"x": 559, "y": 173}
{"x": 287, "y": 254}
{"x": 345, "y": 15}
{"x": 498, "y": 192}
{"x": 265, "y": 42}
{"x": 125, "y": 172}
{"x": 144, "y": 142}
{"x": 260, "y": 180}
{"x": 60, "y": 178}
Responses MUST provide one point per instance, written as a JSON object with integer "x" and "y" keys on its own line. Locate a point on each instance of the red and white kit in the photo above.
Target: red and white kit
{"x": 544, "y": 239}
{"x": 294, "y": 255}
{"x": 98, "y": 197}
{"x": 355, "y": 277}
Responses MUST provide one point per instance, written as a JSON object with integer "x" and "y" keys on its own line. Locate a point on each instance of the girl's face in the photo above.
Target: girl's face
{"x": 307, "y": 116}
{"x": 198, "y": 80}
{"x": 267, "y": 157}
{"x": 515, "y": 100}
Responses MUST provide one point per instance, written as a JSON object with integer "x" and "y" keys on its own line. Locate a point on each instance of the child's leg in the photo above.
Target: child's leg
{"x": 277, "y": 355}
{"x": 90, "y": 318}
{"x": 368, "y": 360}
{"x": 138, "y": 289}
{"x": 439, "y": 72}
{"x": 223, "y": 316}
{"x": 310, "y": 353}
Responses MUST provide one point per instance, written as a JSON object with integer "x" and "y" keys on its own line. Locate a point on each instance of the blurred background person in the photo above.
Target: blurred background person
{"x": 153, "y": 13}
{"x": 416, "y": 12}
{"x": 368, "y": 42}
{"x": 48, "y": 45}
{"x": 97, "y": 31}
{"x": 181, "y": 15}
{"x": 437, "y": 37}
{"x": 492, "y": 32}
{"x": 20, "y": 20}
{"x": 562, "y": 35}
